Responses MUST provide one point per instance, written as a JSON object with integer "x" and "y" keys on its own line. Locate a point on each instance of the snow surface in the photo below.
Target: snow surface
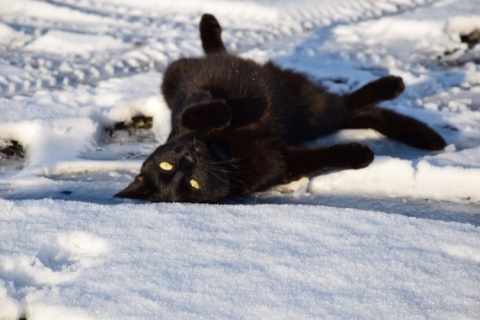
{"x": 398, "y": 239}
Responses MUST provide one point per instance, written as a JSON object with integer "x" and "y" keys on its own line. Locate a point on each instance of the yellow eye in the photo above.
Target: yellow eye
{"x": 194, "y": 184}
{"x": 166, "y": 166}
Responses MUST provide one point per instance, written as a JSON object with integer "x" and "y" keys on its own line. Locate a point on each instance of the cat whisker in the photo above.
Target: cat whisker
{"x": 227, "y": 181}
{"x": 224, "y": 170}
{"x": 215, "y": 169}
{"x": 231, "y": 161}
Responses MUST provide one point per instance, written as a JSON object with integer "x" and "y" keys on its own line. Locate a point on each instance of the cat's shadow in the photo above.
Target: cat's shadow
{"x": 465, "y": 212}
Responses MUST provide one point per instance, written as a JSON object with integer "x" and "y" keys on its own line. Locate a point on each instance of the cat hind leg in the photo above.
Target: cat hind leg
{"x": 375, "y": 92}
{"x": 211, "y": 35}
{"x": 398, "y": 127}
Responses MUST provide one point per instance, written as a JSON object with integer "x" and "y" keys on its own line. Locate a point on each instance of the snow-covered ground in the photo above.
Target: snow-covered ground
{"x": 397, "y": 240}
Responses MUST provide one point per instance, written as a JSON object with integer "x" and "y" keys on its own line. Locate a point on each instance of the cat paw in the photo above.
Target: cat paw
{"x": 210, "y": 31}
{"x": 209, "y": 22}
{"x": 391, "y": 87}
{"x": 210, "y": 115}
{"x": 210, "y": 34}
{"x": 426, "y": 139}
{"x": 359, "y": 155}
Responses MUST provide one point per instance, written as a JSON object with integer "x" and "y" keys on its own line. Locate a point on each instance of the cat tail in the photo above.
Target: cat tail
{"x": 366, "y": 115}
{"x": 211, "y": 35}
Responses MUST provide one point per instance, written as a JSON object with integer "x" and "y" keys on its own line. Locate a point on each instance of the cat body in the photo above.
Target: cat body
{"x": 238, "y": 127}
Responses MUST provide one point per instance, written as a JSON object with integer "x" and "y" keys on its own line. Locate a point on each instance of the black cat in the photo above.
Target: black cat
{"x": 238, "y": 127}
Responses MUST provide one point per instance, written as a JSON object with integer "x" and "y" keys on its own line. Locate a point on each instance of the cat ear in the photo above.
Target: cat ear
{"x": 211, "y": 115}
{"x": 138, "y": 189}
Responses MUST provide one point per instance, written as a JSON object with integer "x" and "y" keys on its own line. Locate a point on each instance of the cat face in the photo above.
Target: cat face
{"x": 181, "y": 171}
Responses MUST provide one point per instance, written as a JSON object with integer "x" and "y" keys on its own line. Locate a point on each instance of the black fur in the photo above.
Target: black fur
{"x": 238, "y": 127}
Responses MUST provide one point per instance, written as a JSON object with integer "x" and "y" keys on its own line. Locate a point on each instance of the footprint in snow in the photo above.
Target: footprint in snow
{"x": 57, "y": 262}
{"x": 76, "y": 249}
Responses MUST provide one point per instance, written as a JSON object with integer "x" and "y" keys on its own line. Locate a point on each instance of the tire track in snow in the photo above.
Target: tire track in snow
{"x": 153, "y": 39}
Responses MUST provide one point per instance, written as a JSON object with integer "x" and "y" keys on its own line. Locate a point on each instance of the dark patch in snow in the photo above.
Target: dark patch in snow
{"x": 11, "y": 149}
{"x": 138, "y": 122}
{"x": 459, "y": 56}
{"x": 138, "y": 43}
{"x": 472, "y": 38}
{"x": 135, "y": 130}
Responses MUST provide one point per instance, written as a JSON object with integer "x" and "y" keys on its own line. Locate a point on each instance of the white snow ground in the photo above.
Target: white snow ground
{"x": 397, "y": 240}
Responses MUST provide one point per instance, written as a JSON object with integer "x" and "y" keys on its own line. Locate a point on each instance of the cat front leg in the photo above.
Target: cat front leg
{"x": 205, "y": 116}
{"x": 303, "y": 162}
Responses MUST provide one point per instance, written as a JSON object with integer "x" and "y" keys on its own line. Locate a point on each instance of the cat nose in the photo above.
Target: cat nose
{"x": 187, "y": 160}
{"x": 188, "y": 157}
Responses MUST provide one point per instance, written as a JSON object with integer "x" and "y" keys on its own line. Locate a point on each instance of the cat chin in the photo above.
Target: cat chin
{"x": 167, "y": 174}
{"x": 137, "y": 190}
{"x": 142, "y": 188}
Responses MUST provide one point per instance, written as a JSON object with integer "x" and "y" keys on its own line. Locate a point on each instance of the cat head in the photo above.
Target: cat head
{"x": 184, "y": 170}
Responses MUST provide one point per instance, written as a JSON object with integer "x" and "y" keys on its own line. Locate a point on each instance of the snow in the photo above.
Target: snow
{"x": 398, "y": 239}
{"x": 204, "y": 261}
{"x": 68, "y": 43}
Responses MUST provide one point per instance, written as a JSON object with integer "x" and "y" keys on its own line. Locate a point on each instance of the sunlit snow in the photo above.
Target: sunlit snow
{"x": 396, "y": 240}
